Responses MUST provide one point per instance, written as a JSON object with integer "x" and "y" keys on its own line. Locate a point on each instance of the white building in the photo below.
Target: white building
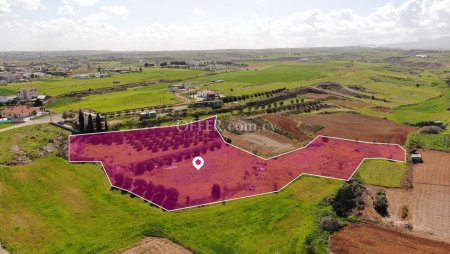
{"x": 27, "y": 94}
{"x": 207, "y": 94}
{"x": 82, "y": 76}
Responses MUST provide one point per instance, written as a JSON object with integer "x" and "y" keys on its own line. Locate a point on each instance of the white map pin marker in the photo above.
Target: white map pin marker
{"x": 198, "y": 162}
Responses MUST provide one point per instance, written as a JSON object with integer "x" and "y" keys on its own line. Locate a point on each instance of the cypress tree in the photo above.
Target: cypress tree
{"x": 98, "y": 123}
{"x": 106, "y": 125}
{"x": 81, "y": 122}
{"x": 90, "y": 127}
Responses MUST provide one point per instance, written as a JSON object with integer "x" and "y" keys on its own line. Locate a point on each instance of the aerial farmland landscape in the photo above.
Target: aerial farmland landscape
{"x": 224, "y": 127}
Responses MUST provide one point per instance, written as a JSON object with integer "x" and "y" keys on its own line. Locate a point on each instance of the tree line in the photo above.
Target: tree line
{"x": 91, "y": 127}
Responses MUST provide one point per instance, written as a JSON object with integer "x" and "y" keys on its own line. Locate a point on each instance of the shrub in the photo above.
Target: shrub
{"x": 405, "y": 212}
{"x": 431, "y": 130}
{"x": 330, "y": 224}
{"x": 346, "y": 198}
{"x": 380, "y": 203}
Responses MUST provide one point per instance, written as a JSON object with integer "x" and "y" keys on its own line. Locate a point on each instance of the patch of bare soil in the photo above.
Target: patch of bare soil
{"x": 383, "y": 109}
{"x": 2, "y": 250}
{"x": 340, "y": 89}
{"x": 316, "y": 96}
{"x": 347, "y": 103}
{"x": 428, "y": 203}
{"x": 357, "y": 127}
{"x": 155, "y": 245}
{"x": 287, "y": 124}
{"x": 361, "y": 89}
{"x": 265, "y": 143}
{"x": 368, "y": 238}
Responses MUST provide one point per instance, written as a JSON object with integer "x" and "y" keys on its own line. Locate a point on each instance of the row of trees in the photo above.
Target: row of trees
{"x": 255, "y": 95}
{"x": 90, "y": 127}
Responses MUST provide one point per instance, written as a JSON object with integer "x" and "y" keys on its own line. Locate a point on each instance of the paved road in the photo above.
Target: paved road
{"x": 56, "y": 117}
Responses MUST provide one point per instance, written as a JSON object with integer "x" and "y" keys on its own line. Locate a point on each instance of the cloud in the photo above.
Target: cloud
{"x": 196, "y": 11}
{"x": 80, "y": 2}
{"x": 115, "y": 10}
{"x": 66, "y": 10}
{"x": 29, "y": 4}
{"x": 5, "y": 7}
{"x": 409, "y": 21}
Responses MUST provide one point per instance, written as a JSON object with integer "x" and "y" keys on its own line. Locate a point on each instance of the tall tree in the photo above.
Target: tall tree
{"x": 98, "y": 123}
{"x": 106, "y": 125}
{"x": 81, "y": 122}
{"x": 90, "y": 126}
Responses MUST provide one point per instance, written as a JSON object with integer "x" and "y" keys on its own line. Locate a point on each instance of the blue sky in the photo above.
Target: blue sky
{"x": 201, "y": 24}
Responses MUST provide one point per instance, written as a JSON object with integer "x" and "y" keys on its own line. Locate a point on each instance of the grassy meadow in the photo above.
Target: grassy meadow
{"x": 58, "y": 85}
{"x": 381, "y": 173}
{"x": 147, "y": 96}
{"x": 440, "y": 142}
{"x": 52, "y": 206}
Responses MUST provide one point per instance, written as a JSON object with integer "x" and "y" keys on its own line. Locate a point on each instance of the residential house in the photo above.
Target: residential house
{"x": 207, "y": 94}
{"x": 19, "y": 112}
{"x": 27, "y": 94}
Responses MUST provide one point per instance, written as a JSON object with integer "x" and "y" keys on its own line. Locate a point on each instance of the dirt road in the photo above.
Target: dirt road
{"x": 56, "y": 117}
{"x": 155, "y": 245}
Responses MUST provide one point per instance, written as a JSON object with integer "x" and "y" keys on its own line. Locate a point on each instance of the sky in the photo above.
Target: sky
{"x": 218, "y": 24}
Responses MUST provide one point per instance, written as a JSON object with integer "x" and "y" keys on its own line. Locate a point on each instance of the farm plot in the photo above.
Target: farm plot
{"x": 156, "y": 164}
{"x": 357, "y": 127}
{"x": 367, "y": 238}
{"x": 57, "y": 86}
{"x": 429, "y": 202}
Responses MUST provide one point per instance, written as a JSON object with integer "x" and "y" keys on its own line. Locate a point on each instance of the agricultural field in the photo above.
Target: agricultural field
{"x": 153, "y": 95}
{"x": 440, "y": 142}
{"x": 356, "y": 126}
{"x": 367, "y": 238}
{"x": 74, "y": 210}
{"x": 381, "y": 173}
{"x": 49, "y": 205}
{"x": 58, "y": 86}
{"x": 428, "y": 204}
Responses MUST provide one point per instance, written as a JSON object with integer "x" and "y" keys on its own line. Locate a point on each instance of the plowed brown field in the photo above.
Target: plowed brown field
{"x": 356, "y": 126}
{"x": 368, "y": 238}
{"x": 429, "y": 201}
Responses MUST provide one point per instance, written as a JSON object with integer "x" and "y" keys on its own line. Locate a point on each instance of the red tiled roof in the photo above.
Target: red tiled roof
{"x": 19, "y": 110}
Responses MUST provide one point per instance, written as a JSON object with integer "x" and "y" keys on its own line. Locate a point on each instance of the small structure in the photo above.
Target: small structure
{"x": 207, "y": 94}
{"x": 203, "y": 104}
{"x": 19, "y": 112}
{"x": 42, "y": 97}
{"x": 27, "y": 94}
{"x": 147, "y": 115}
{"x": 102, "y": 75}
{"x": 439, "y": 124}
{"x": 82, "y": 76}
{"x": 176, "y": 88}
{"x": 6, "y": 99}
{"x": 416, "y": 158}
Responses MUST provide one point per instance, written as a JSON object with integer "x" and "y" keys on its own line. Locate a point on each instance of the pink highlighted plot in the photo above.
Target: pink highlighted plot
{"x": 157, "y": 164}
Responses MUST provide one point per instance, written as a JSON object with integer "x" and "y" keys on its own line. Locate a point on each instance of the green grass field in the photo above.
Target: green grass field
{"x": 57, "y": 86}
{"x": 132, "y": 98}
{"x": 430, "y": 110}
{"x": 381, "y": 173}
{"x": 5, "y": 125}
{"x": 52, "y": 206}
{"x": 440, "y": 142}
{"x": 27, "y": 139}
